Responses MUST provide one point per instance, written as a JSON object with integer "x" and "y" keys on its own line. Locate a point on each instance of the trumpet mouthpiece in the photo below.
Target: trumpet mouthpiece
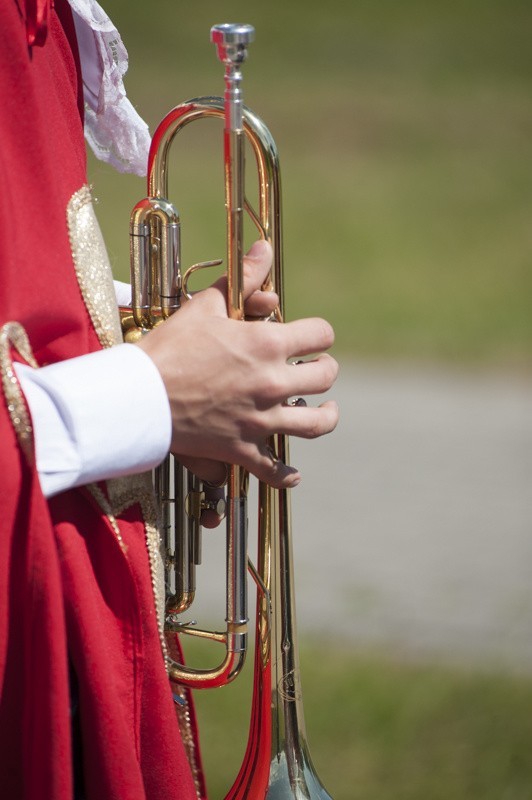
{"x": 231, "y": 40}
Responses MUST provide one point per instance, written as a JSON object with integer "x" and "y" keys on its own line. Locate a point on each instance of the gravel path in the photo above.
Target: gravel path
{"x": 423, "y": 497}
{"x": 413, "y": 521}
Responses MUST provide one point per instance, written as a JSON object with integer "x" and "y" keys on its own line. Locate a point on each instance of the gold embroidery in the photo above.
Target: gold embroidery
{"x": 105, "y": 506}
{"x": 95, "y": 281}
{"x": 12, "y": 334}
{"x": 184, "y": 720}
{"x": 124, "y": 493}
{"x": 185, "y": 727}
{"x": 92, "y": 267}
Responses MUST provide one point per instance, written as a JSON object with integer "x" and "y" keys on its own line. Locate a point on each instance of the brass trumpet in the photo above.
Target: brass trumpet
{"x": 277, "y": 764}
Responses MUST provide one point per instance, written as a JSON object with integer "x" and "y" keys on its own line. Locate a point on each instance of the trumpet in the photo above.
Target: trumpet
{"x": 277, "y": 763}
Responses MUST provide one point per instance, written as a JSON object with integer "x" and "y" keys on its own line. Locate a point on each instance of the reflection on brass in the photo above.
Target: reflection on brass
{"x": 288, "y": 688}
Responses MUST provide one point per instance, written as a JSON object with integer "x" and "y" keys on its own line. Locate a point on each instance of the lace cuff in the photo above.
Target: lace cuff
{"x": 114, "y": 130}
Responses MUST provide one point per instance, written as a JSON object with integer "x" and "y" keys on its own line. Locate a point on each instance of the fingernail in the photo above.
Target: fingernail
{"x": 258, "y": 250}
{"x": 294, "y": 477}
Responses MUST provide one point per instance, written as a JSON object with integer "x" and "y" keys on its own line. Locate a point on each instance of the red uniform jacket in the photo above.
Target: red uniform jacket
{"x": 76, "y": 590}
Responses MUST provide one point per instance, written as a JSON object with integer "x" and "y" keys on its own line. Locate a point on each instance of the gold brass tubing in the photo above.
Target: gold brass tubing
{"x": 225, "y": 672}
{"x": 267, "y": 219}
{"x": 155, "y": 277}
{"x": 176, "y": 605}
{"x": 234, "y": 203}
{"x": 266, "y": 157}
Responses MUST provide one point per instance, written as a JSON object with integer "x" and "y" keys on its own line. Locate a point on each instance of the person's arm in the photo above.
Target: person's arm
{"x": 213, "y": 389}
{"x": 228, "y": 381}
{"x": 96, "y": 416}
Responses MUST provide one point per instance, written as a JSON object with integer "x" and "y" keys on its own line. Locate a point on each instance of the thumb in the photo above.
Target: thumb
{"x": 257, "y": 264}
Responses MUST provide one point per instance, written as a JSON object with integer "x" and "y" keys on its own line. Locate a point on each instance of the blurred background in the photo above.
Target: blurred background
{"x": 405, "y": 134}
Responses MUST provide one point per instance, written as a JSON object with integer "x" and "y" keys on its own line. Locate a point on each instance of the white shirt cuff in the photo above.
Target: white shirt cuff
{"x": 122, "y": 293}
{"x": 96, "y": 416}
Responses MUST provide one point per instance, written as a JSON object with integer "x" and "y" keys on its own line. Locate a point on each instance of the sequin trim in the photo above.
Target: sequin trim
{"x": 13, "y": 335}
{"x": 182, "y": 703}
{"x": 187, "y": 735}
{"x": 92, "y": 266}
{"x": 105, "y": 506}
{"x": 124, "y": 493}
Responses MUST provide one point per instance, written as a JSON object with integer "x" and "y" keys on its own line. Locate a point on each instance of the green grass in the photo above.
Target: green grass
{"x": 381, "y": 729}
{"x": 405, "y": 132}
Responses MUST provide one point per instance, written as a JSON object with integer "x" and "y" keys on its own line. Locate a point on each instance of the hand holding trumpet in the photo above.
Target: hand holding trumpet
{"x": 228, "y": 381}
